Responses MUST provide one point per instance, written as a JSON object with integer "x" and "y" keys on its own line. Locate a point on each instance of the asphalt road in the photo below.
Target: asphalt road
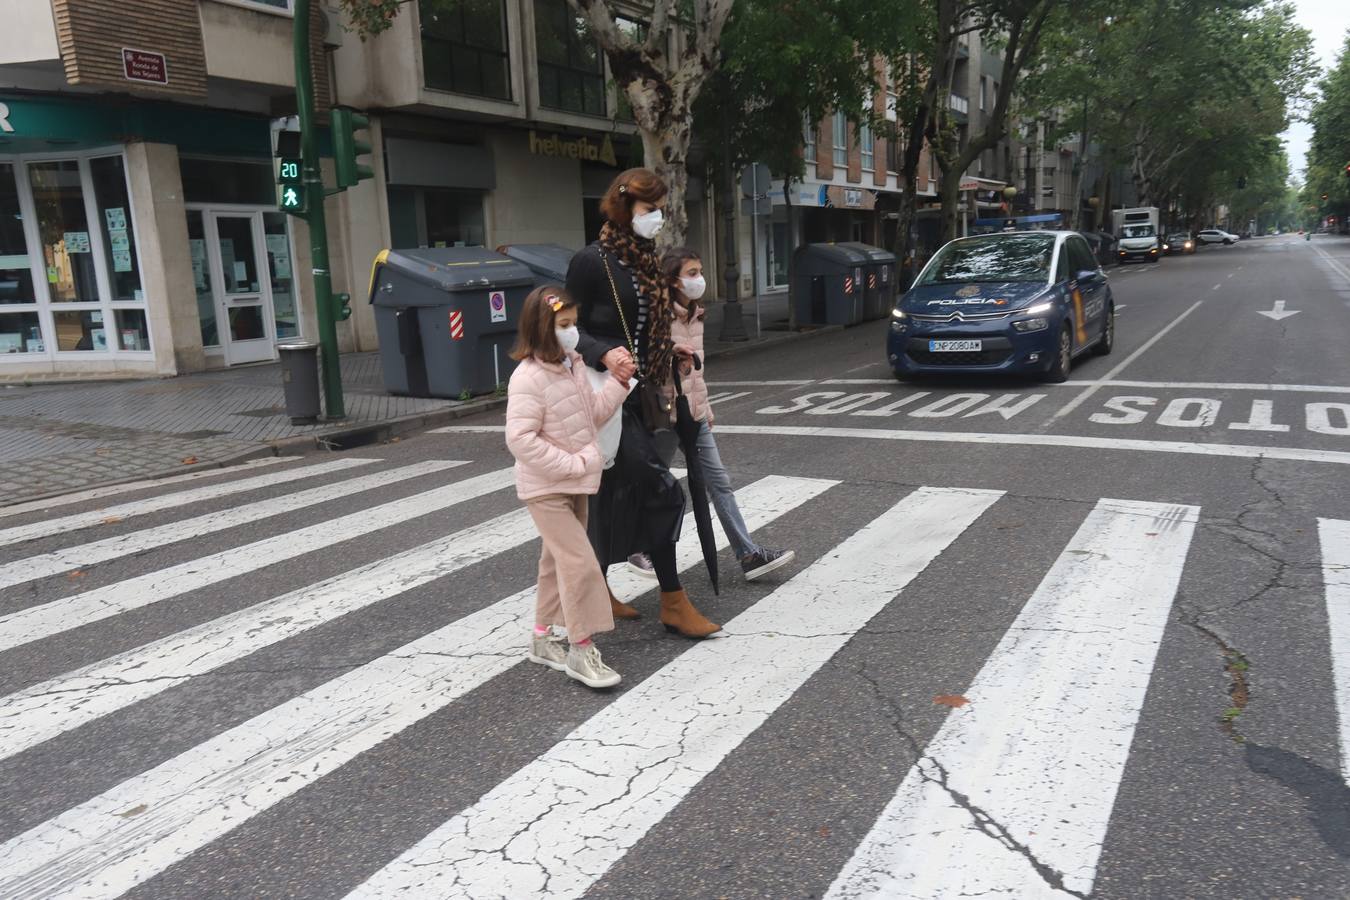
{"x": 1039, "y": 640}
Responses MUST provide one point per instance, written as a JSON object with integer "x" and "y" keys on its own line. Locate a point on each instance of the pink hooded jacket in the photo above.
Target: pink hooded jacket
{"x": 695, "y": 388}
{"x": 552, "y": 417}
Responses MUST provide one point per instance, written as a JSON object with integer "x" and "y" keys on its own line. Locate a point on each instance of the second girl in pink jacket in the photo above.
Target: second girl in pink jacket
{"x": 552, "y": 419}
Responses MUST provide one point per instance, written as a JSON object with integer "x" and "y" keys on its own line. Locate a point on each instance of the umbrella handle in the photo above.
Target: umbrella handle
{"x": 675, "y": 371}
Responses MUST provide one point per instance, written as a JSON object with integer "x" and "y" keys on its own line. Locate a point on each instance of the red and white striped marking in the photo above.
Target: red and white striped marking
{"x": 872, "y": 280}
{"x": 456, "y": 324}
{"x": 848, "y": 284}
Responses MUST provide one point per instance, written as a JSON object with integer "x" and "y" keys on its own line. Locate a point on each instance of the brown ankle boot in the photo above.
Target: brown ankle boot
{"x": 620, "y": 609}
{"x": 678, "y": 614}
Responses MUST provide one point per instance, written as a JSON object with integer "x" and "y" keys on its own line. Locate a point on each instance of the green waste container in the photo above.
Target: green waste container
{"x": 446, "y": 319}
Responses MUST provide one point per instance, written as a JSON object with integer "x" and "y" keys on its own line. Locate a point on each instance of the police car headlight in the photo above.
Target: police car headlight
{"x": 1038, "y": 308}
{"x": 1025, "y": 325}
{"x": 899, "y": 314}
{"x": 899, "y": 320}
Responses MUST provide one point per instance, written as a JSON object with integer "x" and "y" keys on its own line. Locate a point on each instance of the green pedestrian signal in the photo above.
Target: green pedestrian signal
{"x": 348, "y": 145}
{"x": 288, "y": 171}
{"x": 292, "y": 199}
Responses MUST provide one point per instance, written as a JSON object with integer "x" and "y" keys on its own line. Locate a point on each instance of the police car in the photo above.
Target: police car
{"x": 1018, "y": 302}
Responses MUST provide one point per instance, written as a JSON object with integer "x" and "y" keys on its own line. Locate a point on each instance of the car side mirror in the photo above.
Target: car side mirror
{"x": 1088, "y": 275}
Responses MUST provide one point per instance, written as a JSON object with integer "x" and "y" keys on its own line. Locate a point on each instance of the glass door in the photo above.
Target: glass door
{"x": 243, "y": 296}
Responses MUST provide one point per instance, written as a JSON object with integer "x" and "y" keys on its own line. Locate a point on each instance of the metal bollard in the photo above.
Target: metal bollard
{"x": 300, "y": 380}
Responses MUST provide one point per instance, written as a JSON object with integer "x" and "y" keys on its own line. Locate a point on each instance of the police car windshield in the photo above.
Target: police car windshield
{"x": 1005, "y": 257}
{"x": 1132, "y": 231}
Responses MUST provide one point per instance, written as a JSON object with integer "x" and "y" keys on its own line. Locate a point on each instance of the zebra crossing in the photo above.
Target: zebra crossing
{"x": 1020, "y": 781}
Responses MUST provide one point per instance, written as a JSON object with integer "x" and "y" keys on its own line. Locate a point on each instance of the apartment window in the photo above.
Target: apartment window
{"x": 808, "y": 141}
{"x": 464, "y": 47}
{"x": 840, "y": 140}
{"x": 571, "y": 72}
{"x": 868, "y": 146}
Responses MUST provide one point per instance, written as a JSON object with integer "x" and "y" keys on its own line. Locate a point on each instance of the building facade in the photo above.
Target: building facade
{"x": 140, "y": 229}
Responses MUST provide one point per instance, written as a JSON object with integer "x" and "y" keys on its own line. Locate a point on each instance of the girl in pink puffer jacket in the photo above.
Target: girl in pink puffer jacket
{"x": 552, "y": 421}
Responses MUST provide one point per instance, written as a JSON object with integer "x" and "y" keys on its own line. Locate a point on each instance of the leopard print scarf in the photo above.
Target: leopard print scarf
{"x": 639, "y": 255}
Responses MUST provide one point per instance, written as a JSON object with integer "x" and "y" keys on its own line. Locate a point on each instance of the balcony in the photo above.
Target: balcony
{"x": 960, "y": 107}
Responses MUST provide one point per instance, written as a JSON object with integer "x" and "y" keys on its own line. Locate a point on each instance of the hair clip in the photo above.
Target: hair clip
{"x": 554, "y": 302}
{"x": 623, "y": 189}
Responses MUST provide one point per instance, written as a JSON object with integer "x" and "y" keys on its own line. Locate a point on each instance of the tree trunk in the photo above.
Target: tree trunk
{"x": 949, "y": 189}
{"x": 904, "y": 224}
{"x": 666, "y": 153}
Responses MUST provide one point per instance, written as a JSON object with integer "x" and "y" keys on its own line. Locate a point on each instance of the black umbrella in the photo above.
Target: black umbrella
{"x": 687, "y": 429}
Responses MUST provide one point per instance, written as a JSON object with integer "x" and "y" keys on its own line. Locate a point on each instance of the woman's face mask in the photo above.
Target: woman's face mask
{"x": 648, "y": 224}
{"x": 693, "y": 288}
{"x": 568, "y": 337}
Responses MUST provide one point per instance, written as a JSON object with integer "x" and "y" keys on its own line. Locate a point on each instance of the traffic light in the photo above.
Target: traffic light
{"x": 291, "y": 198}
{"x": 287, "y": 165}
{"x": 347, "y": 146}
{"x": 342, "y": 307}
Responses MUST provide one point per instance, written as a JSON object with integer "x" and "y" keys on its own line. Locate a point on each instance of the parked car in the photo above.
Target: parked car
{"x": 1216, "y": 236}
{"x": 1178, "y": 243}
{"x": 1018, "y": 303}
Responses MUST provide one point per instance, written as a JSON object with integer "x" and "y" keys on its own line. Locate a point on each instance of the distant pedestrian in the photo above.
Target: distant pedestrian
{"x": 625, "y": 305}
{"x": 683, "y": 270}
{"x": 552, "y": 419}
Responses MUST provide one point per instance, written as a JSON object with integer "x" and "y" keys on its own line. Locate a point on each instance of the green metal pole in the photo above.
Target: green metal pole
{"x": 312, "y": 176}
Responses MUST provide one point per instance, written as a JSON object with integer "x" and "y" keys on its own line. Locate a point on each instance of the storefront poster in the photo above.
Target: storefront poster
{"x": 199, "y": 274}
{"x": 116, "y": 217}
{"x": 99, "y": 337}
{"x": 117, "y": 237}
{"x": 277, "y": 245}
{"x": 240, "y": 272}
{"x": 281, "y": 268}
{"x": 52, "y": 274}
{"x": 76, "y": 241}
{"x": 121, "y": 260}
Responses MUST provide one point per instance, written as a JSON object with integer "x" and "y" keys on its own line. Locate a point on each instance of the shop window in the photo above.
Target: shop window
{"x": 80, "y": 330}
{"x": 201, "y": 278}
{"x": 464, "y": 47}
{"x": 110, "y": 193}
{"x": 133, "y": 330}
{"x": 243, "y": 181}
{"x": 20, "y": 332}
{"x": 63, "y": 228}
{"x": 454, "y": 218}
{"x": 571, "y": 69}
{"x": 840, "y": 136}
{"x": 16, "y": 266}
{"x": 282, "y": 274}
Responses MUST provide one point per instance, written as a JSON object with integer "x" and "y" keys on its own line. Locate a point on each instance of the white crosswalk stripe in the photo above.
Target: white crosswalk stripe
{"x": 1018, "y": 785}
{"x": 170, "y": 501}
{"x": 539, "y": 834}
{"x": 47, "y": 619}
{"x": 1023, "y": 777}
{"x": 83, "y": 555}
{"x": 95, "y": 850}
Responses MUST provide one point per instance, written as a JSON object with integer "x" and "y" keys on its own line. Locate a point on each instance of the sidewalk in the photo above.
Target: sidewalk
{"x": 56, "y": 438}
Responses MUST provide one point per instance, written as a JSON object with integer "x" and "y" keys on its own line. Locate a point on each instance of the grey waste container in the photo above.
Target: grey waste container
{"x": 878, "y": 280}
{"x": 548, "y": 262}
{"x": 828, "y": 289}
{"x": 300, "y": 380}
{"x": 446, "y": 319}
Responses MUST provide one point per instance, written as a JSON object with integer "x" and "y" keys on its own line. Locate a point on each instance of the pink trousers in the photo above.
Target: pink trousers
{"x": 572, "y": 589}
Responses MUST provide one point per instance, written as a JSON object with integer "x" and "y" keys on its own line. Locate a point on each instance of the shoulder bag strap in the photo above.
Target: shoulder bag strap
{"x": 623, "y": 320}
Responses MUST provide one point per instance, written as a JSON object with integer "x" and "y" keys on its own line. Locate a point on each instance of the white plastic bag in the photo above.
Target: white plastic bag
{"x": 612, "y": 428}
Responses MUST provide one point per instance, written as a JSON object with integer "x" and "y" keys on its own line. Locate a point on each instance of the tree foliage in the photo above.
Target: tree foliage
{"x": 1329, "y": 151}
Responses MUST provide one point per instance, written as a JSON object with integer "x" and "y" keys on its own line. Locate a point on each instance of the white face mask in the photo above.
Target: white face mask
{"x": 648, "y": 224}
{"x": 568, "y": 337}
{"x": 693, "y": 288}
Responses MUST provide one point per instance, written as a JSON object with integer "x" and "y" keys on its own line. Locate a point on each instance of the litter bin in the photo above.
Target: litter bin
{"x": 828, "y": 289}
{"x": 446, "y": 319}
{"x": 300, "y": 380}
{"x": 878, "y": 280}
{"x": 548, "y": 262}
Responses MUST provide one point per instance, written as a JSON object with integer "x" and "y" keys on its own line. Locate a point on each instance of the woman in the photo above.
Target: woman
{"x": 625, "y": 318}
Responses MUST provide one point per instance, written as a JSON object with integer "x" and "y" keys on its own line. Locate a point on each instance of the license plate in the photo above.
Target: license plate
{"x": 954, "y": 346}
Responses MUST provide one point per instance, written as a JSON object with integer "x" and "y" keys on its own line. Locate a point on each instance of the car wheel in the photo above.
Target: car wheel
{"x": 1059, "y": 369}
{"x": 1227, "y": 242}
{"x": 1108, "y": 339}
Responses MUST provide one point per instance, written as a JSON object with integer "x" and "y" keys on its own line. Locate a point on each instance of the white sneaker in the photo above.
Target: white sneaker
{"x": 641, "y": 564}
{"x": 585, "y": 665}
{"x": 548, "y": 650}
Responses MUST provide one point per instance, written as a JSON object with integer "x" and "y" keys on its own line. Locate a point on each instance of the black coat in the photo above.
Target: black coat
{"x": 640, "y": 505}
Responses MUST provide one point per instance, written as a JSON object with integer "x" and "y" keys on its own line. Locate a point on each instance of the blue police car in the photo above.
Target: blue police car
{"x": 1017, "y": 302}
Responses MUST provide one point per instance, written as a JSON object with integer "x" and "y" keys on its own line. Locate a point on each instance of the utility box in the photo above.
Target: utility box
{"x": 548, "y": 262}
{"x": 829, "y": 284}
{"x": 446, "y": 319}
{"x": 878, "y": 280}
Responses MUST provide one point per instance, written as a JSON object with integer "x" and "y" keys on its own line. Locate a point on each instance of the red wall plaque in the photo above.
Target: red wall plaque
{"x": 142, "y": 65}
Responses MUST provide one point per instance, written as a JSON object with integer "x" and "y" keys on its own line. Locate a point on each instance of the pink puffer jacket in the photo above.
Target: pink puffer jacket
{"x": 690, "y": 334}
{"x": 551, "y": 427}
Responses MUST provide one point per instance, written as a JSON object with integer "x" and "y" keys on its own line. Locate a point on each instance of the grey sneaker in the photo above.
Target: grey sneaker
{"x": 641, "y": 564}
{"x": 762, "y": 562}
{"x": 585, "y": 665}
{"x": 548, "y": 650}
